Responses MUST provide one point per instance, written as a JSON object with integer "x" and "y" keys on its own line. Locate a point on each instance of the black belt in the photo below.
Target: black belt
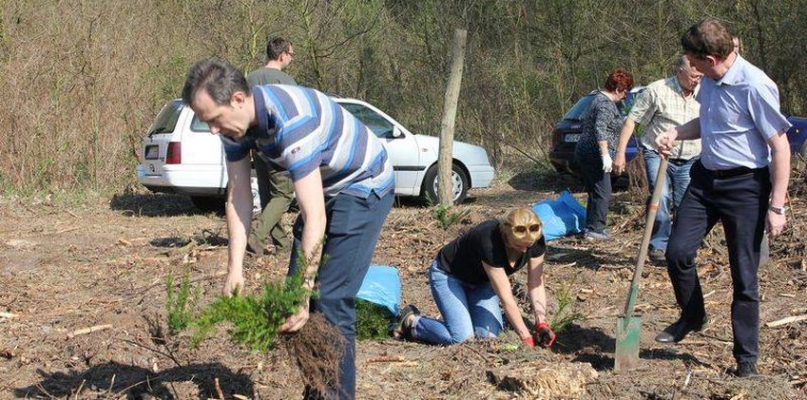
{"x": 679, "y": 161}
{"x": 730, "y": 173}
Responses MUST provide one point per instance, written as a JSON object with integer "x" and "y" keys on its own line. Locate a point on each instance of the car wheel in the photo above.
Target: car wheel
{"x": 208, "y": 204}
{"x": 459, "y": 183}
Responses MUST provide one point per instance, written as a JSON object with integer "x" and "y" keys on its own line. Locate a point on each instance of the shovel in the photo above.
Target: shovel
{"x": 629, "y": 326}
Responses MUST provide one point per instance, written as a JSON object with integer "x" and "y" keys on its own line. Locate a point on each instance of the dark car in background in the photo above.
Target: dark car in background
{"x": 568, "y": 131}
{"x": 797, "y": 136}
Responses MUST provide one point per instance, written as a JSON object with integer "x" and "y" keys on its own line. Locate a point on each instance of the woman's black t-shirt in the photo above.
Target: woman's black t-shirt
{"x": 463, "y": 257}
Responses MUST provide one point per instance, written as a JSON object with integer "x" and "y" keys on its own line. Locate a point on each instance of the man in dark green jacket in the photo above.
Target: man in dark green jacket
{"x": 275, "y": 188}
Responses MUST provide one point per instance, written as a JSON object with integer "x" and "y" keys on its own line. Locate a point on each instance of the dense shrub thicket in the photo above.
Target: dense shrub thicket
{"x": 83, "y": 79}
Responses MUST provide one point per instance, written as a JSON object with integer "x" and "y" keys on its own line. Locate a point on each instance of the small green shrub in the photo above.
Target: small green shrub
{"x": 180, "y": 304}
{"x": 372, "y": 321}
{"x": 255, "y": 320}
{"x": 565, "y": 314}
{"x": 448, "y": 216}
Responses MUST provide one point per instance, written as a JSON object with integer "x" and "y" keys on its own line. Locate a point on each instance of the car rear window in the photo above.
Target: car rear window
{"x": 579, "y": 111}
{"x": 166, "y": 121}
{"x": 627, "y": 103}
{"x": 198, "y": 126}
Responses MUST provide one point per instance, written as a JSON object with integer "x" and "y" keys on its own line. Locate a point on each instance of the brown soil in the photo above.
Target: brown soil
{"x": 317, "y": 350}
{"x": 104, "y": 264}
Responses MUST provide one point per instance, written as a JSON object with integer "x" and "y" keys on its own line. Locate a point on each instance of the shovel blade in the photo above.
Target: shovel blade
{"x": 628, "y": 330}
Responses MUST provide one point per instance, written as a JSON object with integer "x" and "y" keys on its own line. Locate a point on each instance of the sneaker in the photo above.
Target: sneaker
{"x": 406, "y": 318}
{"x": 657, "y": 257}
{"x": 594, "y": 235}
{"x": 747, "y": 370}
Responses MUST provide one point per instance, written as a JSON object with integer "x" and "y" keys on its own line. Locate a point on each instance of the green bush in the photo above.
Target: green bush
{"x": 565, "y": 314}
{"x": 448, "y": 216}
{"x": 255, "y": 320}
{"x": 372, "y": 321}
{"x": 180, "y": 304}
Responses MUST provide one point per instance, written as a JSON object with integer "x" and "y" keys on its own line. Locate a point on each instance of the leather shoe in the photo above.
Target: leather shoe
{"x": 747, "y": 370}
{"x": 679, "y": 330}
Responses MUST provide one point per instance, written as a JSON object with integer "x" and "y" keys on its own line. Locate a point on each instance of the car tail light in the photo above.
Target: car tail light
{"x": 556, "y": 137}
{"x": 174, "y": 153}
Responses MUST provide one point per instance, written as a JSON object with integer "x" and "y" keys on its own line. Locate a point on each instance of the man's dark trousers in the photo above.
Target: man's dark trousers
{"x": 740, "y": 203}
{"x": 352, "y": 230}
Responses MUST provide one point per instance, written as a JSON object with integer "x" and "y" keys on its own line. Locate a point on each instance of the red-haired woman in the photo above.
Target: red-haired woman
{"x": 595, "y": 150}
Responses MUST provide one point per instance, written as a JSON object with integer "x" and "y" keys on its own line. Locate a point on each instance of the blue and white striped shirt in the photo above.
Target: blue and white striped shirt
{"x": 300, "y": 129}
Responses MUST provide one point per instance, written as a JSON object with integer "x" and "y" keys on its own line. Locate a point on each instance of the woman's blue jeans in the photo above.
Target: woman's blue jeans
{"x": 467, "y": 310}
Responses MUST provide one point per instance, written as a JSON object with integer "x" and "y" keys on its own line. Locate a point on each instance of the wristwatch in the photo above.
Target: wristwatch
{"x": 778, "y": 210}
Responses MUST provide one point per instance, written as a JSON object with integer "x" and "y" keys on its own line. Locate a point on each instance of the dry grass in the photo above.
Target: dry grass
{"x": 83, "y": 79}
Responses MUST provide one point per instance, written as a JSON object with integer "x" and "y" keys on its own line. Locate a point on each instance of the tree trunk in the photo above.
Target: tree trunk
{"x": 449, "y": 118}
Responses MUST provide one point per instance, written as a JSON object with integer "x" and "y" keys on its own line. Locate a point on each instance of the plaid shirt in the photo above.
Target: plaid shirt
{"x": 663, "y": 106}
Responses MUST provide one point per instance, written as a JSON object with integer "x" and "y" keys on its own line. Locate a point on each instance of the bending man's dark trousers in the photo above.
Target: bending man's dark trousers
{"x": 353, "y": 227}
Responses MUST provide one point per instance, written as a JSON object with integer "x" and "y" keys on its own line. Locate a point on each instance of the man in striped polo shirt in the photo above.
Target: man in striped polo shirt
{"x": 342, "y": 176}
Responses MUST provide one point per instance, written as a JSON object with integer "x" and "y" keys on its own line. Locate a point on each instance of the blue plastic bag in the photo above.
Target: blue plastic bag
{"x": 382, "y": 286}
{"x": 561, "y": 217}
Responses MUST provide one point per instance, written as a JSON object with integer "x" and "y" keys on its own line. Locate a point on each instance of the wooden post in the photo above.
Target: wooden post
{"x": 449, "y": 116}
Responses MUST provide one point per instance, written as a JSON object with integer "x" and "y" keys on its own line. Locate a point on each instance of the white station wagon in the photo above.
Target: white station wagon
{"x": 179, "y": 155}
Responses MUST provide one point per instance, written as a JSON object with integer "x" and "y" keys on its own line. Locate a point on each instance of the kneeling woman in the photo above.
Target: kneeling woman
{"x": 469, "y": 277}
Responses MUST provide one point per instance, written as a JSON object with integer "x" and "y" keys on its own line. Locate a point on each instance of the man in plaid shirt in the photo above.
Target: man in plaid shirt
{"x": 665, "y": 104}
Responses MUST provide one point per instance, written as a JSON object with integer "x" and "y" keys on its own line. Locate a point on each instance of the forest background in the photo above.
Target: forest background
{"x": 82, "y": 80}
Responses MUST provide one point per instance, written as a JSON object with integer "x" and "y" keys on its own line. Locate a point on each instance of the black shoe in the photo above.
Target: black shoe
{"x": 747, "y": 370}
{"x": 403, "y": 327}
{"x": 679, "y": 330}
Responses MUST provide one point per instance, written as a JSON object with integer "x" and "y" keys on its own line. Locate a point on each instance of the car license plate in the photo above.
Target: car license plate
{"x": 571, "y": 137}
{"x": 152, "y": 152}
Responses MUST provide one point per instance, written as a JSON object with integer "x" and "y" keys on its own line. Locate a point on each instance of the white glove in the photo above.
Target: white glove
{"x": 607, "y": 163}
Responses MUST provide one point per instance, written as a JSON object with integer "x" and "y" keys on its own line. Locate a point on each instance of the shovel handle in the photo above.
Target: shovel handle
{"x": 652, "y": 209}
